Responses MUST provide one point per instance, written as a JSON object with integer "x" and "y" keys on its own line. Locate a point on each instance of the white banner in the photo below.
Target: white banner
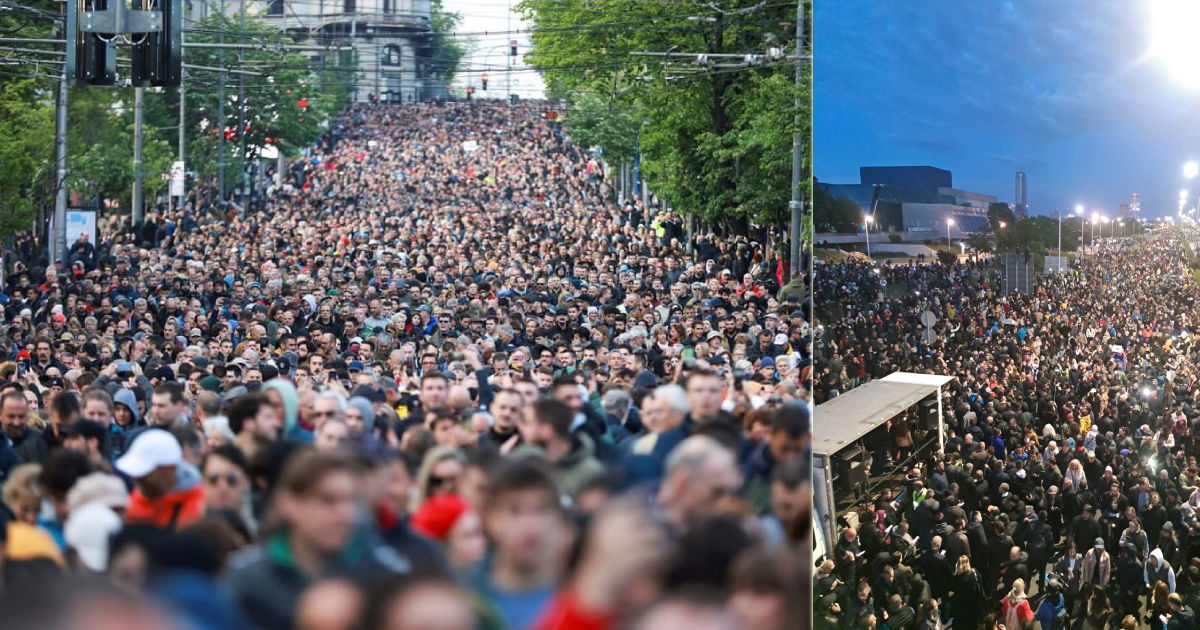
{"x": 177, "y": 179}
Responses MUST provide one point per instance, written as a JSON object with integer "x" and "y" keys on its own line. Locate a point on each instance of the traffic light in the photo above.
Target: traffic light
{"x": 90, "y": 59}
{"x": 512, "y": 48}
{"x": 157, "y": 57}
{"x": 94, "y": 28}
{"x": 483, "y": 79}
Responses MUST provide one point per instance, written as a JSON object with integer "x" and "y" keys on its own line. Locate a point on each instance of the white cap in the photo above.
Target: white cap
{"x": 152, "y": 449}
{"x": 781, "y": 339}
{"x": 88, "y": 530}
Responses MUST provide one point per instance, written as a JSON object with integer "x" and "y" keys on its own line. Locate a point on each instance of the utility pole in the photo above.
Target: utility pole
{"x": 58, "y": 236}
{"x": 508, "y": 74}
{"x": 221, "y": 113}
{"x": 796, "y": 205}
{"x": 242, "y": 107}
{"x": 138, "y": 209}
{"x": 182, "y": 127}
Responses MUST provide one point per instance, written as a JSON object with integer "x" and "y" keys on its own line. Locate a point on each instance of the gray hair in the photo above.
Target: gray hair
{"x": 675, "y": 396}
{"x": 617, "y": 403}
{"x": 694, "y": 455}
{"x": 342, "y": 402}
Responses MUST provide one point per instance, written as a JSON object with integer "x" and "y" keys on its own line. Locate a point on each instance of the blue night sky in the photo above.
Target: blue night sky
{"x": 1063, "y": 90}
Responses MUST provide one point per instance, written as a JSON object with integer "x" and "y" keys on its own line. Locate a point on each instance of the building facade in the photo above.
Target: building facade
{"x": 1021, "y": 195}
{"x": 919, "y": 202}
{"x": 391, "y": 39}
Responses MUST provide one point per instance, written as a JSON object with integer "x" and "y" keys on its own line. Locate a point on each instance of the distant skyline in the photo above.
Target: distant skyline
{"x": 1065, "y": 91}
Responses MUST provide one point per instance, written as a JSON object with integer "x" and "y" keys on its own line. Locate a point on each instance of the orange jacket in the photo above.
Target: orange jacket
{"x": 172, "y": 511}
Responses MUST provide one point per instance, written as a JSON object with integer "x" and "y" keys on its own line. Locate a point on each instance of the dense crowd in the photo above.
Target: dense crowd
{"x": 1067, "y": 495}
{"x": 436, "y": 378}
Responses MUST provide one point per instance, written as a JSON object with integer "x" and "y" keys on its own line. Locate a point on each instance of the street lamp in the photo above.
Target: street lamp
{"x": 949, "y": 222}
{"x": 1095, "y": 220}
{"x": 1001, "y": 225}
{"x": 867, "y": 221}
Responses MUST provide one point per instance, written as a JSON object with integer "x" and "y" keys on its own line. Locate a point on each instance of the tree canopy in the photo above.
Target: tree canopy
{"x": 715, "y": 133}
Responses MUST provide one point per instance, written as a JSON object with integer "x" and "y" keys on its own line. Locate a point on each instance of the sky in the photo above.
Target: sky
{"x": 488, "y": 51}
{"x": 1068, "y": 91}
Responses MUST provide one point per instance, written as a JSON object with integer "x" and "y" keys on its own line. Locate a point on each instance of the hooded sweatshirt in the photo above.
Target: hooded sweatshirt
{"x": 291, "y": 402}
{"x": 1163, "y": 571}
{"x": 1016, "y": 610}
{"x": 176, "y": 509}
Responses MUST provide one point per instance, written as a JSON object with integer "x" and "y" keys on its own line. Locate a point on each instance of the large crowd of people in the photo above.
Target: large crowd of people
{"x": 1068, "y": 491}
{"x": 436, "y": 378}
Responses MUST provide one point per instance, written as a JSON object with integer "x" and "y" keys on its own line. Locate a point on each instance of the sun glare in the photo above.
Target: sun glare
{"x": 1173, "y": 37}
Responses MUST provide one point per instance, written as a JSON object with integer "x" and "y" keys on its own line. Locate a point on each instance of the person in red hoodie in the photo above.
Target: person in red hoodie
{"x": 168, "y": 491}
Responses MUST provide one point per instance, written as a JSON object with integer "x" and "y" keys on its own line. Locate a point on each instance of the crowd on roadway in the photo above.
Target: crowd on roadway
{"x": 1068, "y": 491}
{"x": 438, "y": 378}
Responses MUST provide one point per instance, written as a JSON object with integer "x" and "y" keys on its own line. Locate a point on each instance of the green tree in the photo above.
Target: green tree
{"x": 290, "y": 98}
{"x": 26, "y": 117}
{"x": 445, "y": 50}
{"x": 594, "y": 120}
{"x": 716, "y": 142}
{"x": 26, "y": 153}
{"x": 999, "y": 211}
{"x": 100, "y": 146}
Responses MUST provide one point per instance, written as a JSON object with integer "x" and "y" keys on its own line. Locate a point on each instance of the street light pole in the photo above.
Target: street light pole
{"x": 949, "y": 222}
{"x": 867, "y": 219}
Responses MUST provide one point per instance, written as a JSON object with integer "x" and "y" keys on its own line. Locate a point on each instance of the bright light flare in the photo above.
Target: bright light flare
{"x": 1191, "y": 169}
{"x": 1173, "y": 39}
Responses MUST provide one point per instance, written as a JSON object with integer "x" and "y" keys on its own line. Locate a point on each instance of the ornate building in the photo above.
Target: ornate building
{"x": 391, "y": 39}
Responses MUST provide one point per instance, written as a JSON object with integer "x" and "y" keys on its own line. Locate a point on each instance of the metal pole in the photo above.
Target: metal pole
{"x": 221, "y": 114}
{"x": 942, "y": 423}
{"x": 182, "y": 132}
{"x": 242, "y": 109}
{"x": 1060, "y": 233}
{"x": 58, "y": 237}
{"x": 508, "y": 74}
{"x": 867, "y": 228}
{"x": 138, "y": 209}
{"x": 796, "y": 205}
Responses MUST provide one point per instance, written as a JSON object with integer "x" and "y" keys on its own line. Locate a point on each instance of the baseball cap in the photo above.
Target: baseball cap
{"x": 151, "y": 450}
{"x": 1099, "y": 543}
{"x": 355, "y": 366}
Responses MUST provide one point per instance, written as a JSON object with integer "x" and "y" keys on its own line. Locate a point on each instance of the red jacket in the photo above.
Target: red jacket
{"x": 566, "y": 612}
{"x": 173, "y": 511}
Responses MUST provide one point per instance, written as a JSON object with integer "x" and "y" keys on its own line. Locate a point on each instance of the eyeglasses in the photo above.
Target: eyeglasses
{"x": 230, "y": 479}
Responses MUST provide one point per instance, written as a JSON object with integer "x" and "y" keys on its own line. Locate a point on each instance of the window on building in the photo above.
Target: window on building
{"x": 390, "y": 55}
{"x": 349, "y": 6}
{"x": 275, "y": 7}
{"x": 387, "y": 6}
